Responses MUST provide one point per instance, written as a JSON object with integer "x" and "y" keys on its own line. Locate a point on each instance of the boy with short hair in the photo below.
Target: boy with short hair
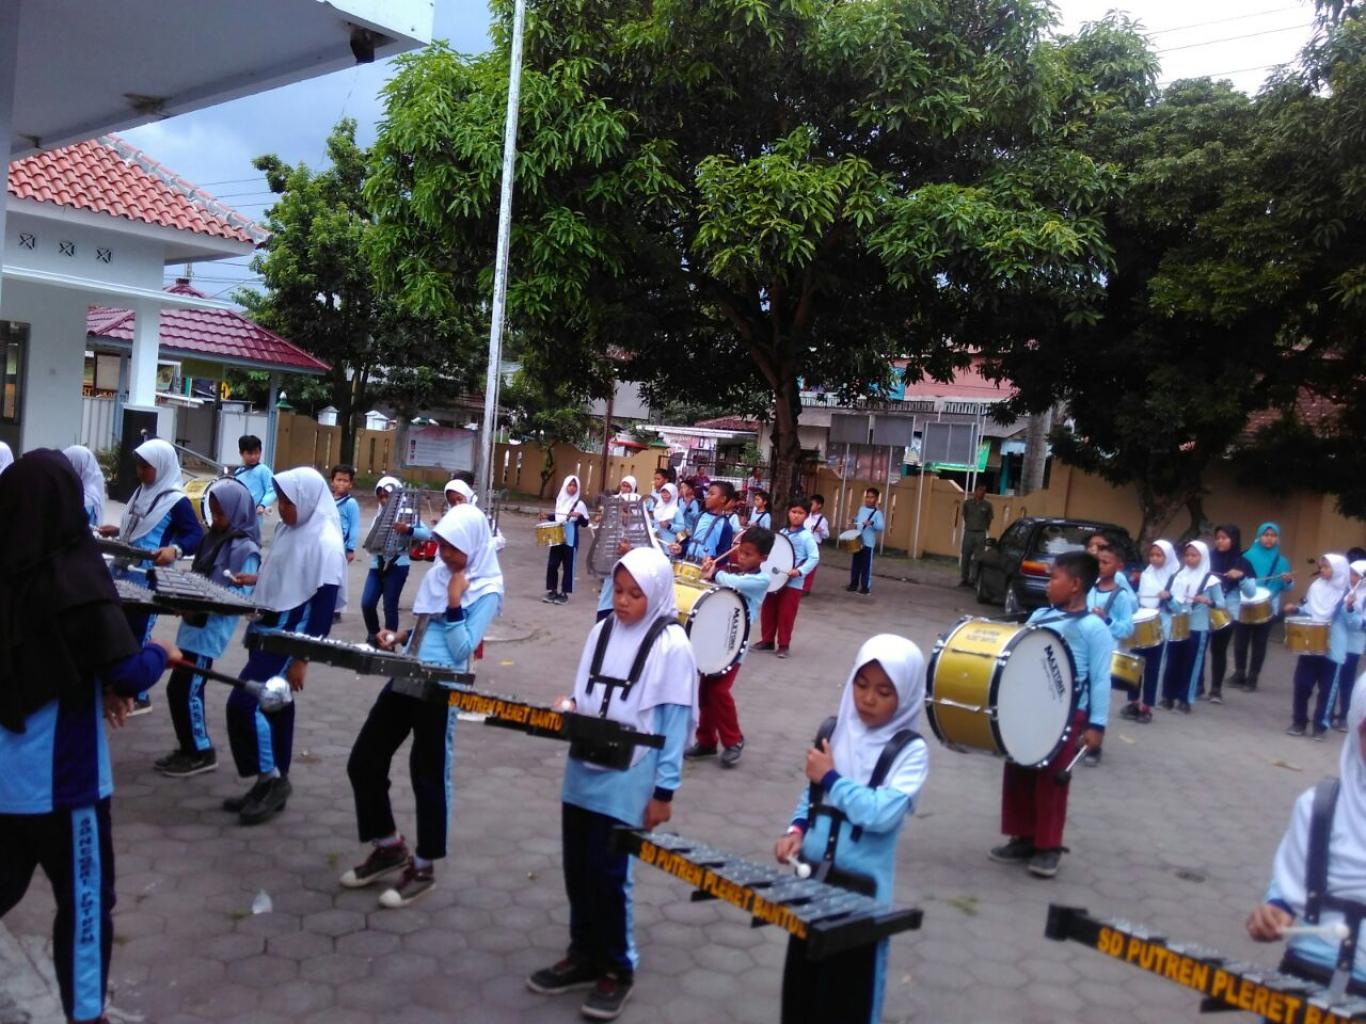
{"x": 343, "y": 479}
{"x": 869, "y": 522}
{"x": 712, "y": 535}
{"x": 718, "y": 717}
{"x": 820, "y": 531}
{"x": 259, "y": 478}
{"x": 1114, "y": 603}
{"x": 1033, "y": 801}
{"x": 779, "y": 612}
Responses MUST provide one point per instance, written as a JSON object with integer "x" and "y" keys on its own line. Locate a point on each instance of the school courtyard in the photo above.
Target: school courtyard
{"x": 1176, "y": 830}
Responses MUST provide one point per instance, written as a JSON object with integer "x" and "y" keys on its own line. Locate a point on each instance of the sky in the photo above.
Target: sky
{"x": 1241, "y": 40}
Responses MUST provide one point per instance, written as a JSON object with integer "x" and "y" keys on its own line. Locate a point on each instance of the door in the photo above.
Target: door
{"x": 13, "y": 353}
{"x": 998, "y": 559}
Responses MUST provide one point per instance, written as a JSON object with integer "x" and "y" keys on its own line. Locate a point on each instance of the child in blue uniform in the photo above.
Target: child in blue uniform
{"x": 1194, "y": 590}
{"x": 779, "y": 613}
{"x": 712, "y": 534}
{"x": 458, "y": 599}
{"x": 1154, "y": 594}
{"x": 258, "y": 477}
{"x": 1113, "y": 603}
{"x": 87, "y": 467}
{"x": 297, "y": 590}
{"x": 559, "y": 567}
{"x": 1324, "y": 601}
{"x": 386, "y": 579}
{"x": 869, "y": 522}
{"x": 1237, "y": 579}
{"x": 596, "y": 799}
{"x": 67, "y": 659}
{"x": 348, "y": 508}
{"x": 761, "y": 516}
{"x": 1356, "y": 643}
{"x": 865, "y": 780}
{"x": 1272, "y": 570}
{"x": 232, "y": 547}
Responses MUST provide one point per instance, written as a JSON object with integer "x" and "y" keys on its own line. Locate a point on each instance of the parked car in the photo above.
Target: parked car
{"x": 1013, "y": 571}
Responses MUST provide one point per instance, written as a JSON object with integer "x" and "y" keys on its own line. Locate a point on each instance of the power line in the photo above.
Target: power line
{"x": 1221, "y": 21}
{"x": 1230, "y": 39}
{"x": 1230, "y": 71}
{"x": 232, "y": 181}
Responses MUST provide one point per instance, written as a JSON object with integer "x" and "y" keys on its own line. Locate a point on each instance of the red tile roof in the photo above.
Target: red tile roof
{"x": 208, "y": 334}
{"x": 1316, "y": 412}
{"x": 106, "y": 175}
{"x": 735, "y": 423}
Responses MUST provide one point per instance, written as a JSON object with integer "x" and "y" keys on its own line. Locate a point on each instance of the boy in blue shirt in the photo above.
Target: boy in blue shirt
{"x": 779, "y": 613}
{"x": 348, "y": 508}
{"x": 712, "y": 535}
{"x": 259, "y": 478}
{"x": 869, "y": 522}
{"x": 1033, "y": 803}
{"x": 716, "y": 705}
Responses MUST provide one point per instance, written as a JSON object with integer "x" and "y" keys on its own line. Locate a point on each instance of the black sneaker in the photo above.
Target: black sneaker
{"x": 698, "y": 751}
{"x": 1092, "y": 758}
{"x": 865, "y": 590}
{"x": 852, "y": 587}
{"x": 383, "y": 860}
{"x": 414, "y": 882}
{"x": 183, "y": 765}
{"x": 782, "y": 652}
{"x": 561, "y": 598}
{"x": 141, "y": 705}
{"x": 1295, "y": 730}
{"x": 1183, "y": 706}
{"x": 1044, "y": 864}
{"x": 269, "y": 803}
{"x": 166, "y": 759}
{"x": 730, "y": 757}
{"x": 763, "y": 645}
{"x": 1166, "y": 704}
{"x": 1017, "y": 851}
{"x": 1216, "y": 696}
{"x": 1130, "y": 711}
{"x": 607, "y": 999}
{"x": 234, "y": 804}
{"x": 1145, "y": 716}
{"x": 549, "y": 598}
{"x": 1339, "y": 725}
{"x": 1320, "y": 734}
{"x": 566, "y": 976}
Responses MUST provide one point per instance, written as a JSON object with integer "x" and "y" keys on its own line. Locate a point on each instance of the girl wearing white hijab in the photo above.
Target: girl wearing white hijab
{"x": 627, "y": 489}
{"x": 458, "y": 599}
{"x": 386, "y": 579}
{"x": 1352, "y": 606}
{"x": 1154, "y": 593}
{"x": 667, "y": 515}
{"x": 297, "y": 588}
{"x": 875, "y": 729}
{"x": 87, "y": 467}
{"x": 595, "y": 799}
{"x": 1287, "y": 898}
{"x": 1325, "y": 601}
{"x": 559, "y": 568}
{"x": 1195, "y": 590}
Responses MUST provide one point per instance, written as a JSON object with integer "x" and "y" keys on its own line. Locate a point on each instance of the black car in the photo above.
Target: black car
{"x": 1013, "y": 571}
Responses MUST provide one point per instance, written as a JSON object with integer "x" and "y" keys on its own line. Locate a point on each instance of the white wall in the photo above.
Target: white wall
{"x": 51, "y": 411}
{"x": 132, "y": 260}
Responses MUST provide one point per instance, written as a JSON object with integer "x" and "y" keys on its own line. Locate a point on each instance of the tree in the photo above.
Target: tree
{"x": 545, "y": 410}
{"x": 745, "y": 196}
{"x": 321, "y": 294}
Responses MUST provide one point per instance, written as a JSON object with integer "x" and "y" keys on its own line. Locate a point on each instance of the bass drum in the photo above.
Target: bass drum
{"x": 716, "y": 621}
{"x": 1003, "y": 689}
{"x": 780, "y": 561}
{"x": 198, "y": 493}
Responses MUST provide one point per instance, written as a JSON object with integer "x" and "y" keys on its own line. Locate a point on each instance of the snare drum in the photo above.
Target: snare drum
{"x": 1305, "y": 635}
{"x": 716, "y": 621}
{"x": 1147, "y": 629}
{"x": 690, "y": 571}
{"x": 548, "y": 535}
{"x": 1219, "y": 618}
{"x": 1126, "y": 671}
{"x": 1256, "y": 609}
{"x": 851, "y": 541}
{"x": 781, "y": 560}
{"x": 1181, "y": 626}
{"x": 198, "y": 493}
{"x": 1002, "y": 688}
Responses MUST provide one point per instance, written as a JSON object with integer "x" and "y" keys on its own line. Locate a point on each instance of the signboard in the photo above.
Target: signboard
{"x": 948, "y": 444}
{"x": 849, "y": 429}
{"x": 445, "y": 447}
{"x": 893, "y": 431}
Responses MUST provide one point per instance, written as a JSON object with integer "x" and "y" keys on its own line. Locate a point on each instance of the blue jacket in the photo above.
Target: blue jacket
{"x": 260, "y": 480}
{"x": 211, "y": 638}
{"x": 1118, "y": 606}
{"x": 808, "y": 554}
{"x": 1092, "y": 647}
{"x": 869, "y": 523}
{"x": 349, "y": 511}
{"x": 711, "y": 537}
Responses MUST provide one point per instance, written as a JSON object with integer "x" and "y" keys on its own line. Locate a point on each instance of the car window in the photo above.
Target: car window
{"x": 1013, "y": 540}
{"x": 1058, "y": 538}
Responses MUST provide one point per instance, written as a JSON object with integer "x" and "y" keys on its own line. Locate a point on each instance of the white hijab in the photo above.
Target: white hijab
{"x": 463, "y": 489}
{"x": 308, "y": 555}
{"x": 1359, "y": 568}
{"x": 464, "y": 527}
{"x": 856, "y": 747}
{"x": 6, "y": 457}
{"x": 1347, "y": 845}
{"x": 565, "y": 502}
{"x": 1323, "y": 597}
{"x": 630, "y": 481}
{"x": 92, "y": 477}
{"x": 1154, "y": 581}
{"x": 670, "y": 673}
{"x": 151, "y": 502}
{"x": 667, "y": 507}
{"x": 1191, "y": 583}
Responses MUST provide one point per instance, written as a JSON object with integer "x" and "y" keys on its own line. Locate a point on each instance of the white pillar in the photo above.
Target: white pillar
{"x": 142, "y": 366}
{"x": 9, "y": 59}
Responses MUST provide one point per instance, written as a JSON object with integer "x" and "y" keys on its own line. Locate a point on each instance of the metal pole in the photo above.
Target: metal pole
{"x": 607, "y": 434}
{"x": 919, "y": 501}
{"x": 500, "y": 266}
{"x": 842, "y": 511}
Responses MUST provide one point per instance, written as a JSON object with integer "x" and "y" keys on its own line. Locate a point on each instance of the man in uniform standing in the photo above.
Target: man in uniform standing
{"x": 977, "y": 513}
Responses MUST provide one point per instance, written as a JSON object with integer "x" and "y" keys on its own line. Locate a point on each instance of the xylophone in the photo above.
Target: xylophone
{"x": 136, "y": 598}
{"x": 600, "y": 740}
{"x": 190, "y": 593}
{"x": 123, "y": 551}
{"x": 830, "y": 919}
{"x": 1226, "y": 984}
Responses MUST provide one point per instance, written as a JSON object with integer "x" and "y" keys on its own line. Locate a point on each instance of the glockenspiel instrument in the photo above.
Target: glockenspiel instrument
{"x": 1225, "y": 983}
{"x": 830, "y": 919}
{"x": 123, "y": 551}
{"x": 190, "y": 593}
{"x": 605, "y": 742}
{"x": 136, "y": 598}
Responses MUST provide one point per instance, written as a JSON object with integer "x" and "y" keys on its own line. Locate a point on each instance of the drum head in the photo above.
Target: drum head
{"x": 1260, "y": 596}
{"x": 1035, "y": 695}
{"x": 718, "y": 628}
{"x": 781, "y": 560}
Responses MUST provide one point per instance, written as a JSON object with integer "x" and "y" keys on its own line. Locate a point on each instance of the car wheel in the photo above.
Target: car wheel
{"x": 1012, "y": 601}
{"x": 983, "y": 591}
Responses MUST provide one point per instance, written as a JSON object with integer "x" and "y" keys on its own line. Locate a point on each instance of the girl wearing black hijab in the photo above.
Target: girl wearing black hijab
{"x": 1238, "y": 579}
{"x": 67, "y": 659}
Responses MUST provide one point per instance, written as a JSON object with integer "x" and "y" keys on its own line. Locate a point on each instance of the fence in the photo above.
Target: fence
{"x": 97, "y": 423}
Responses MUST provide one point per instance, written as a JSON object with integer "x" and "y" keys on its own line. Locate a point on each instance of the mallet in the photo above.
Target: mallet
{"x": 273, "y": 695}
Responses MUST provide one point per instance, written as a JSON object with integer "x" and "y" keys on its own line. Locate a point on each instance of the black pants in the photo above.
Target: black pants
{"x": 595, "y": 878}
{"x": 560, "y": 563}
{"x": 1254, "y": 636}
{"x": 76, "y": 852}
{"x": 392, "y": 717}
{"x": 838, "y": 988}
{"x": 861, "y": 569}
{"x": 185, "y": 695}
{"x": 1218, "y": 657}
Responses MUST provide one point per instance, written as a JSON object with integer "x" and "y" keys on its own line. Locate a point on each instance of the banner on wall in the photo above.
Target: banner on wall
{"x": 444, "y": 447}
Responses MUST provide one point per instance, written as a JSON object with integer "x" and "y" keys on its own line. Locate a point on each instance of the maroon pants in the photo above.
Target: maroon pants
{"x": 1033, "y": 805}
{"x": 779, "y": 614}
{"x": 717, "y": 710}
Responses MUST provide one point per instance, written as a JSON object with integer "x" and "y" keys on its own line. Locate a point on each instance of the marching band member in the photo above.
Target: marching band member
{"x": 343, "y": 478}
{"x": 1356, "y": 644}
{"x": 258, "y": 476}
{"x": 869, "y": 522}
{"x": 627, "y": 488}
{"x": 596, "y": 799}
{"x": 866, "y": 772}
{"x": 559, "y": 568}
{"x": 1153, "y": 593}
{"x": 1195, "y": 590}
{"x": 1237, "y": 580}
{"x": 386, "y": 579}
{"x": 712, "y": 534}
{"x": 459, "y": 598}
{"x": 297, "y": 588}
{"x": 1114, "y": 604}
{"x": 761, "y": 516}
{"x": 87, "y": 467}
{"x": 779, "y": 613}
{"x": 667, "y": 522}
{"x": 459, "y": 492}
{"x": 1272, "y": 571}
{"x": 688, "y": 505}
{"x": 1324, "y": 601}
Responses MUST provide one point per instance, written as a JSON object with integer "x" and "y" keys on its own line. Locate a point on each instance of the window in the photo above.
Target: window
{"x": 1013, "y": 540}
{"x": 13, "y": 338}
{"x": 1057, "y": 538}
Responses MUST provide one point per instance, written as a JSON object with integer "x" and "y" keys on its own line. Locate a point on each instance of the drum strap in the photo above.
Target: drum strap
{"x": 890, "y": 752}
{"x": 1320, "y": 834}
{"x": 595, "y": 675}
{"x": 1110, "y": 602}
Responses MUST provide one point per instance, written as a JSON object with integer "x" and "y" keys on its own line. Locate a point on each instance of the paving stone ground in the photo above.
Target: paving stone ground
{"x": 1175, "y": 830}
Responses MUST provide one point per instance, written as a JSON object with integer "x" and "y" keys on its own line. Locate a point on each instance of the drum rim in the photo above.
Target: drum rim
{"x": 744, "y": 621}
{"x": 792, "y": 547}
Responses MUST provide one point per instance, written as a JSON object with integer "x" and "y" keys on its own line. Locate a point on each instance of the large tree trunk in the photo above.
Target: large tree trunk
{"x": 1158, "y": 512}
{"x": 344, "y": 399}
{"x": 787, "y": 446}
{"x": 1037, "y": 428}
